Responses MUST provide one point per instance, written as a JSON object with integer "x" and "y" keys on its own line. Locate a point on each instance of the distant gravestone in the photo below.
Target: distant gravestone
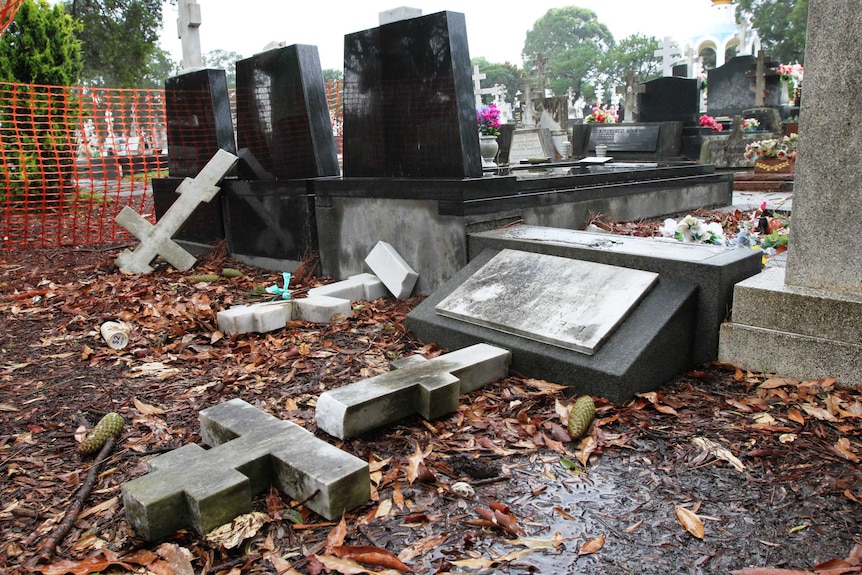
{"x": 569, "y": 303}
{"x": 282, "y": 115}
{"x": 629, "y": 141}
{"x": 732, "y": 87}
{"x": 409, "y": 109}
{"x": 670, "y": 99}
{"x": 531, "y": 144}
{"x": 252, "y": 450}
{"x": 627, "y": 138}
{"x": 199, "y": 123}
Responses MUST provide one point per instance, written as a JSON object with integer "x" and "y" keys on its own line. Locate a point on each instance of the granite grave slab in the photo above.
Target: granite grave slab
{"x": 197, "y": 109}
{"x": 430, "y": 388}
{"x": 408, "y": 100}
{"x": 569, "y": 303}
{"x": 651, "y": 346}
{"x": 252, "y": 450}
{"x": 655, "y": 140}
{"x": 713, "y": 269}
{"x": 282, "y": 115}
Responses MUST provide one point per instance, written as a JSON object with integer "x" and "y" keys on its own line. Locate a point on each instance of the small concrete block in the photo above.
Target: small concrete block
{"x": 251, "y": 450}
{"x": 398, "y": 277}
{"x": 345, "y": 289}
{"x": 321, "y": 309}
{"x": 367, "y": 287}
{"x": 373, "y": 287}
{"x": 256, "y": 318}
{"x": 430, "y": 388}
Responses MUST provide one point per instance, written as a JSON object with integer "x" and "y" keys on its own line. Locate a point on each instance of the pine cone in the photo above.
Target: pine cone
{"x": 202, "y": 278}
{"x": 110, "y": 426}
{"x": 581, "y": 416}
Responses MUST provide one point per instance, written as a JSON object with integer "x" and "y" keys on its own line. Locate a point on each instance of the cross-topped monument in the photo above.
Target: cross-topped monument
{"x": 188, "y": 31}
{"x": 156, "y": 239}
{"x": 668, "y": 50}
{"x": 759, "y": 87}
{"x": 630, "y": 92}
{"x": 251, "y": 451}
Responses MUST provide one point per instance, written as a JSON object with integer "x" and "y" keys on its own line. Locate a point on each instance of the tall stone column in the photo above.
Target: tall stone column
{"x": 805, "y": 322}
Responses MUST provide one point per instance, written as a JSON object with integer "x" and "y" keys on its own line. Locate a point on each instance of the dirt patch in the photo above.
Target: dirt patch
{"x": 613, "y": 497}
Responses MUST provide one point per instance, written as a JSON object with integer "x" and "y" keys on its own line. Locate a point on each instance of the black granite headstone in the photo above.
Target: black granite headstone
{"x": 731, "y": 87}
{"x": 282, "y": 115}
{"x": 670, "y": 99}
{"x": 409, "y": 109}
{"x": 658, "y": 140}
{"x": 197, "y": 108}
{"x": 270, "y": 220}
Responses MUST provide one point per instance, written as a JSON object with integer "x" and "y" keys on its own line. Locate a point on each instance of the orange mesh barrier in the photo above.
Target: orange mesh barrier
{"x": 8, "y": 9}
{"x": 73, "y": 157}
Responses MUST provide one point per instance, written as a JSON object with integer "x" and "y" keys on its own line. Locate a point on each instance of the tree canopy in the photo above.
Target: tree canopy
{"x": 635, "y": 53}
{"x": 782, "y": 25}
{"x": 505, "y": 74}
{"x": 40, "y": 46}
{"x": 118, "y": 38}
{"x": 573, "y": 42}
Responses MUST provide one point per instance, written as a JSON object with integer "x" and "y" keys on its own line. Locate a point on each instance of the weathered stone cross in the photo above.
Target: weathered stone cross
{"x": 208, "y": 488}
{"x": 430, "y": 388}
{"x": 630, "y": 92}
{"x": 668, "y": 49}
{"x": 156, "y": 239}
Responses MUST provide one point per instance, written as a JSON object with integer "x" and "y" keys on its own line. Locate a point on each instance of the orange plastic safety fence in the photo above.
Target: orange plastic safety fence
{"x": 8, "y": 9}
{"x": 73, "y": 157}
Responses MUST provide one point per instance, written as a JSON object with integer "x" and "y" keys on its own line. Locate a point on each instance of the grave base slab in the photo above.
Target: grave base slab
{"x": 653, "y": 345}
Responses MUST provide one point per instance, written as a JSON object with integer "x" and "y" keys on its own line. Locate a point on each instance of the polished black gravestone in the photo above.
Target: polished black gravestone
{"x": 409, "y": 109}
{"x": 641, "y": 141}
{"x": 731, "y": 87}
{"x": 197, "y": 109}
{"x": 670, "y": 99}
{"x": 282, "y": 113}
{"x": 270, "y": 224}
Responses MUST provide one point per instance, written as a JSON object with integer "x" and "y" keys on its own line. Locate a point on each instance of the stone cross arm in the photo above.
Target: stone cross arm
{"x": 156, "y": 239}
{"x": 253, "y": 450}
{"x": 430, "y": 388}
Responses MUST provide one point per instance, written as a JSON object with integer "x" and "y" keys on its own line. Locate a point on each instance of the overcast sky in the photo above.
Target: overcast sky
{"x": 495, "y": 32}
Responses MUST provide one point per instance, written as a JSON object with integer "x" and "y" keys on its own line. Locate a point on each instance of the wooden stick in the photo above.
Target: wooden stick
{"x": 49, "y": 545}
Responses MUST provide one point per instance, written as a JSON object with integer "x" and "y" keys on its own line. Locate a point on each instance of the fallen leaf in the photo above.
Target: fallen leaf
{"x": 769, "y": 571}
{"x": 231, "y": 535}
{"x": 794, "y": 415}
{"x": 370, "y": 555}
{"x": 585, "y": 448}
{"x": 416, "y": 468}
{"x": 775, "y": 382}
{"x": 844, "y": 447}
{"x": 690, "y": 521}
{"x": 348, "y": 566}
{"x": 422, "y": 547}
{"x": 555, "y": 542}
{"x": 145, "y": 408}
{"x": 818, "y": 412}
{"x": 718, "y": 451}
{"x": 336, "y": 536}
{"x": 592, "y": 545}
{"x": 100, "y": 561}
{"x": 178, "y": 558}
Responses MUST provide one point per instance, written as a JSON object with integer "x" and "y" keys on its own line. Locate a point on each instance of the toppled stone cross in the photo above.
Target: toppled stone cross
{"x": 430, "y": 388}
{"x": 156, "y": 239}
{"x": 208, "y": 488}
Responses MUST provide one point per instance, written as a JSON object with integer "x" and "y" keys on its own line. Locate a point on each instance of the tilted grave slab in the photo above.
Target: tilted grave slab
{"x": 653, "y": 343}
{"x": 156, "y": 239}
{"x": 573, "y": 304}
{"x": 204, "y": 489}
{"x": 430, "y": 388}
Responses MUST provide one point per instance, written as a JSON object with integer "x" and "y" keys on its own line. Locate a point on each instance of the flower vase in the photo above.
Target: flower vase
{"x": 488, "y": 147}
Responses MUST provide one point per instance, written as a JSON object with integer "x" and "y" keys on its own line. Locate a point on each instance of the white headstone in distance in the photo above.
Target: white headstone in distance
{"x": 398, "y": 14}
{"x": 568, "y": 303}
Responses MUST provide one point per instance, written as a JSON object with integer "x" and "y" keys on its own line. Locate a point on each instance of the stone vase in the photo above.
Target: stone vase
{"x": 488, "y": 147}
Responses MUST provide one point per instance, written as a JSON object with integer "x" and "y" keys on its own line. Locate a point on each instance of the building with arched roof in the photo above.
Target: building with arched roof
{"x": 722, "y": 38}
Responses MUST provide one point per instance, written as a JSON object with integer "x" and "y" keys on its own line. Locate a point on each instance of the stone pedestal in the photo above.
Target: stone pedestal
{"x": 805, "y": 323}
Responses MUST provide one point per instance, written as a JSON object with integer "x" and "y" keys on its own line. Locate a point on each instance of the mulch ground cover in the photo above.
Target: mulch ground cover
{"x": 718, "y": 471}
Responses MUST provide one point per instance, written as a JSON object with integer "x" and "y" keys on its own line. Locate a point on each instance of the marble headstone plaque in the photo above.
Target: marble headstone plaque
{"x": 568, "y": 303}
{"x": 624, "y": 138}
{"x": 531, "y": 144}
